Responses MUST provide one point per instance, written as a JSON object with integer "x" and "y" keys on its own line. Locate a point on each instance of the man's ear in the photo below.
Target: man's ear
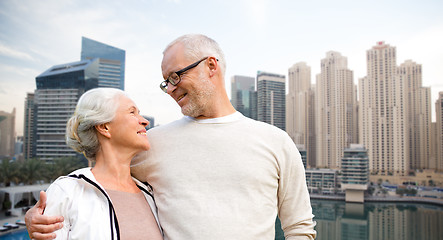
{"x": 213, "y": 66}
{"x": 103, "y": 130}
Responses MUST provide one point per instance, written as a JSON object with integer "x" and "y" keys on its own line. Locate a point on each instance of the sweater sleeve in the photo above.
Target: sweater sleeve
{"x": 58, "y": 204}
{"x": 139, "y": 166}
{"x": 294, "y": 204}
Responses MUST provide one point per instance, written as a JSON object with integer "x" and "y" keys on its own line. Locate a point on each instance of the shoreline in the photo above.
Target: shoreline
{"x": 389, "y": 199}
{"x": 438, "y": 202}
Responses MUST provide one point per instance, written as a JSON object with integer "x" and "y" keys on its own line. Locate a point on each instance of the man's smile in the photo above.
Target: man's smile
{"x": 181, "y": 97}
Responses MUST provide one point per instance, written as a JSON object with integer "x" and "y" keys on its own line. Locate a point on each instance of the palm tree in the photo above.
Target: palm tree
{"x": 60, "y": 167}
{"x": 8, "y": 172}
{"x": 31, "y": 171}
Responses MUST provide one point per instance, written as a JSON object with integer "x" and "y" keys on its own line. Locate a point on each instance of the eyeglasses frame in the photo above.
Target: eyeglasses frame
{"x": 164, "y": 84}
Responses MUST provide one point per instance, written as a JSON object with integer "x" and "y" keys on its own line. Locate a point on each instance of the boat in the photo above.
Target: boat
{"x": 10, "y": 225}
{"x": 20, "y": 222}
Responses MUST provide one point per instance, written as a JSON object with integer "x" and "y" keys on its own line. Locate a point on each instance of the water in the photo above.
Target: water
{"x": 18, "y": 235}
{"x": 337, "y": 220}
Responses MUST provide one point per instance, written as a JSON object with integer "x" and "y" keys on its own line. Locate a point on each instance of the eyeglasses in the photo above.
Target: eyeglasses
{"x": 175, "y": 78}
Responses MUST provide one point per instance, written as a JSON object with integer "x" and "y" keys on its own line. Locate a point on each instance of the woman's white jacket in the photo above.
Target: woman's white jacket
{"x": 86, "y": 206}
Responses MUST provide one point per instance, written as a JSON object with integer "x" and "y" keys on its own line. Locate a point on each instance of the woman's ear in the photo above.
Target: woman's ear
{"x": 103, "y": 130}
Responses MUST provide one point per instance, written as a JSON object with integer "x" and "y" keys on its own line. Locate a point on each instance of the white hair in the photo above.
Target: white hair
{"x": 95, "y": 107}
{"x": 198, "y": 46}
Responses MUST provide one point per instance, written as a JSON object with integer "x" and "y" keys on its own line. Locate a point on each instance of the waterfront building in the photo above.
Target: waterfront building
{"x": 301, "y": 148}
{"x": 243, "y": 96}
{"x": 355, "y": 172}
{"x": 336, "y": 110}
{"x": 323, "y": 181}
{"x": 58, "y": 90}
{"x": 439, "y": 132}
{"x": 354, "y": 165}
{"x": 271, "y": 99}
{"x": 29, "y": 127}
{"x": 111, "y": 62}
{"x": 7, "y": 134}
{"x": 300, "y": 109}
{"x": 418, "y": 115}
{"x": 383, "y": 113}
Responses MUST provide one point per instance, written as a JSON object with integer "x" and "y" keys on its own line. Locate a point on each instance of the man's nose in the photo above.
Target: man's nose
{"x": 171, "y": 88}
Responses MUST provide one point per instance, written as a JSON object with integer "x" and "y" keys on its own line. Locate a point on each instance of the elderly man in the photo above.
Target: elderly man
{"x": 215, "y": 173}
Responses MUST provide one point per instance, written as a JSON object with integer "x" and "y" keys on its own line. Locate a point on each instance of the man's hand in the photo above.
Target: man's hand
{"x": 42, "y": 227}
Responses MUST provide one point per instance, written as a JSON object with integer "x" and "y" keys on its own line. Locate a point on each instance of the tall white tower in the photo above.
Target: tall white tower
{"x": 419, "y": 115}
{"x": 383, "y": 113}
{"x": 439, "y": 131}
{"x": 300, "y": 106}
{"x": 336, "y": 110}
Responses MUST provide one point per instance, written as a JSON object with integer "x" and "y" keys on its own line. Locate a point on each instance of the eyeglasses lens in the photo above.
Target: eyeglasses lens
{"x": 174, "y": 78}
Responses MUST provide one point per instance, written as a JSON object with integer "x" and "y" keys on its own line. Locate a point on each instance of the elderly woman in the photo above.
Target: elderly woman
{"x": 105, "y": 202}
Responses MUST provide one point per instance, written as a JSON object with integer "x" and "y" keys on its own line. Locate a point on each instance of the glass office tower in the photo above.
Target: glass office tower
{"x": 271, "y": 99}
{"x": 243, "y": 95}
{"x": 58, "y": 90}
{"x": 111, "y": 62}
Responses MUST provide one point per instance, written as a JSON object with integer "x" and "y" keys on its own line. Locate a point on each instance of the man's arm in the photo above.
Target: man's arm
{"x": 294, "y": 203}
{"x": 42, "y": 227}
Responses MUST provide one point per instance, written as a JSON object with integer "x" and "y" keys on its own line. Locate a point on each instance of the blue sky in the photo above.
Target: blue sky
{"x": 254, "y": 34}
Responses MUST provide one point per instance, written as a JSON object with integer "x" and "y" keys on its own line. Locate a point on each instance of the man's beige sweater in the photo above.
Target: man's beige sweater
{"x": 226, "y": 178}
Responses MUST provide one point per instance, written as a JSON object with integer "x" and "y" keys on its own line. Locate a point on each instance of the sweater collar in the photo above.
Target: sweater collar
{"x": 225, "y": 119}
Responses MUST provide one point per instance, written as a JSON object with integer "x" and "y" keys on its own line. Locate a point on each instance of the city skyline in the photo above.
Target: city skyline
{"x": 263, "y": 36}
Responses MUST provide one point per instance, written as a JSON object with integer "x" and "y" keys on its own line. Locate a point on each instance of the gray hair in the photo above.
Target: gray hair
{"x": 95, "y": 107}
{"x": 198, "y": 46}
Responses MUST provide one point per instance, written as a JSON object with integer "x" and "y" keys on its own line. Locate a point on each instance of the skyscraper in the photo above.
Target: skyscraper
{"x": 439, "y": 130}
{"x": 111, "y": 62}
{"x": 433, "y": 155}
{"x": 383, "y": 113}
{"x": 58, "y": 90}
{"x": 300, "y": 109}
{"x": 7, "y": 133}
{"x": 29, "y": 127}
{"x": 271, "y": 104}
{"x": 336, "y": 110}
{"x": 243, "y": 95}
{"x": 418, "y": 115}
